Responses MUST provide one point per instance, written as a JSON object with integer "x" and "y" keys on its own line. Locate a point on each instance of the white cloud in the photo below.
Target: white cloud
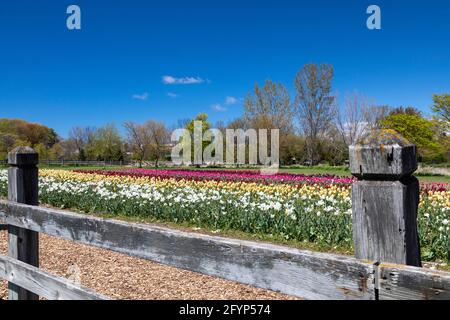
{"x": 142, "y": 97}
{"x": 218, "y": 107}
{"x": 221, "y": 106}
{"x": 172, "y": 95}
{"x": 230, "y": 101}
{"x": 185, "y": 80}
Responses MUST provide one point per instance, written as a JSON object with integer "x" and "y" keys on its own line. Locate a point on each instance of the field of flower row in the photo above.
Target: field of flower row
{"x": 244, "y": 176}
{"x": 315, "y": 210}
{"x": 227, "y": 175}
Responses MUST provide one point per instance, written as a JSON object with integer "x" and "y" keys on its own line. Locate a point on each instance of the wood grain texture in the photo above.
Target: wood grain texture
{"x": 385, "y": 221}
{"x": 43, "y": 283}
{"x": 23, "y": 156}
{"x": 301, "y": 273}
{"x": 23, "y": 244}
{"x": 409, "y": 283}
{"x": 382, "y": 155}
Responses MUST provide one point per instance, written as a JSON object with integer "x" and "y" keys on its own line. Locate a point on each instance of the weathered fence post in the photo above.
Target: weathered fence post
{"x": 23, "y": 244}
{"x": 385, "y": 199}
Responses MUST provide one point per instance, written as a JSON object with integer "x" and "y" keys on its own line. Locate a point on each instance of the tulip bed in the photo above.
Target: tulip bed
{"x": 302, "y": 209}
{"x": 227, "y": 175}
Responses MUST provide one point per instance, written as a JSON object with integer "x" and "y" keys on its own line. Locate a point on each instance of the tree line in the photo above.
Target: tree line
{"x": 314, "y": 128}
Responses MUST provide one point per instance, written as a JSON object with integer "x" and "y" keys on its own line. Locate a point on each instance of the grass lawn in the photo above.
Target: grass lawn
{"x": 346, "y": 173}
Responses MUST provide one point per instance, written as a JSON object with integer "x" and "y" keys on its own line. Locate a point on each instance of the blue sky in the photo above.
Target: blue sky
{"x": 112, "y": 70}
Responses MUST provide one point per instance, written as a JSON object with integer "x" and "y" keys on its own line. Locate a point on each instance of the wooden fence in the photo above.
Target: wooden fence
{"x": 304, "y": 274}
{"x": 295, "y": 272}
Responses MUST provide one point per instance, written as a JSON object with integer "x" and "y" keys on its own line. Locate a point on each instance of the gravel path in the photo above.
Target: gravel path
{"x": 122, "y": 277}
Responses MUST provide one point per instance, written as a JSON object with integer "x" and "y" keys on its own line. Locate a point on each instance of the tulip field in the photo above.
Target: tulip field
{"x": 314, "y": 210}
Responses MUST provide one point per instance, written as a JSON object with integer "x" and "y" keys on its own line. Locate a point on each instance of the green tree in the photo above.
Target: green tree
{"x": 441, "y": 106}
{"x": 42, "y": 151}
{"x": 15, "y": 132}
{"x": 203, "y": 117}
{"x": 292, "y": 150}
{"x": 445, "y": 143}
{"x": 107, "y": 144}
{"x": 56, "y": 152}
{"x": 418, "y": 130}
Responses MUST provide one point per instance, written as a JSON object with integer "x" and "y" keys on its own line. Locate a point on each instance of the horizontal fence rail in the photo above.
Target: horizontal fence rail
{"x": 43, "y": 283}
{"x": 398, "y": 282}
{"x": 305, "y": 274}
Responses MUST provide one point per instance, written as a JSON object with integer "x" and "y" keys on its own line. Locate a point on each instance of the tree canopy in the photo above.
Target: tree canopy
{"x": 418, "y": 130}
{"x": 441, "y": 108}
{"x": 15, "y": 132}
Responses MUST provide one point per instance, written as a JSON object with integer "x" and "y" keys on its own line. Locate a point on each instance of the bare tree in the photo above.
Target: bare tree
{"x": 139, "y": 139}
{"x": 352, "y": 121}
{"x": 315, "y": 104}
{"x": 238, "y": 123}
{"x": 374, "y": 114}
{"x": 82, "y": 137}
{"x": 269, "y": 108}
{"x": 159, "y": 139}
{"x": 70, "y": 149}
{"x": 181, "y": 124}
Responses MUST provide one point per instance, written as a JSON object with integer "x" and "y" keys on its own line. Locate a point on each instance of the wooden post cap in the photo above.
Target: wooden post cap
{"x": 382, "y": 154}
{"x": 23, "y": 156}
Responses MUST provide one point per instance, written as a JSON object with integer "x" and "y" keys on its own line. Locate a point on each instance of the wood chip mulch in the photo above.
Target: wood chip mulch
{"x": 123, "y": 277}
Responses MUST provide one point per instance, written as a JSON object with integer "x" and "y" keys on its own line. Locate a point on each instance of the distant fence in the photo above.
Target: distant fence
{"x": 287, "y": 270}
{"x": 76, "y": 163}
